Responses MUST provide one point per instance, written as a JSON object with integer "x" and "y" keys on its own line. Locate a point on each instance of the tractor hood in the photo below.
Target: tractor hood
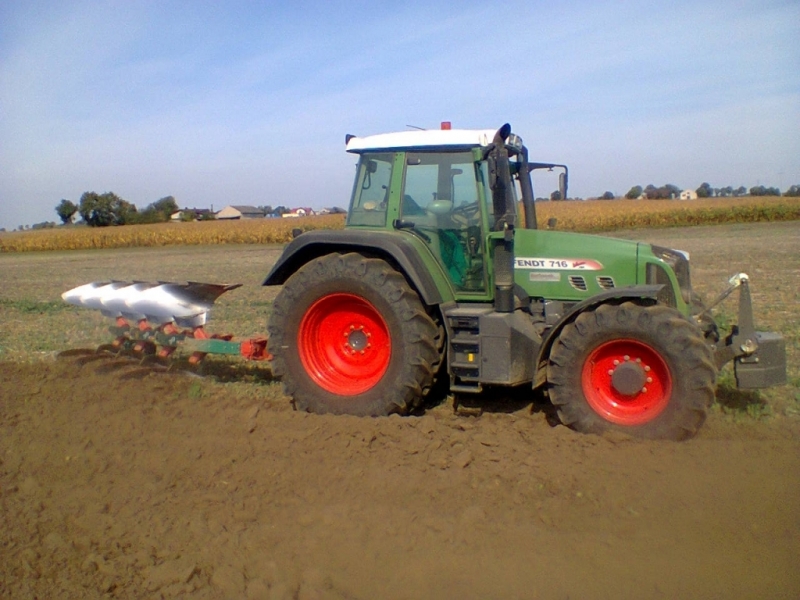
{"x": 572, "y": 266}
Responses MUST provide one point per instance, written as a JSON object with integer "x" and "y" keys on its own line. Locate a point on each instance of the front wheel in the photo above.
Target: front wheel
{"x": 350, "y": 336}
{"x": 643, "y": 370}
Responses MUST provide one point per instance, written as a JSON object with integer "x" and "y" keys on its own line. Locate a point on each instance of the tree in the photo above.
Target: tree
{"x": 634, "y": 192}
{"x": 102, "y": 210}
{"x": 665, "y": 192}
{"x": 43, "y": 225}
{"x": 556, "y": 195}
{"x": 740, "y": 191}
{"x": 608, "y": 196}
{"x": 793, "y": 191}
{"x": 66, "y": 210}
{"x": 166, "y": 207}
{"x": 705, "y": 190}
{"x": 725, "y": 192}
{"x": 760, "y": 190}
{"x": 671, "y": 191}
{"x": 159, "y": 211}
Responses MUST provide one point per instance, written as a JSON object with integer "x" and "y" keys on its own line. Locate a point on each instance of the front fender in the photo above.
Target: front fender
{"x": 647, "y": 293}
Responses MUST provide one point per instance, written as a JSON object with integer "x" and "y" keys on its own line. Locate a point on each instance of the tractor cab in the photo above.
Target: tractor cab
{"x": 449, "y": 188}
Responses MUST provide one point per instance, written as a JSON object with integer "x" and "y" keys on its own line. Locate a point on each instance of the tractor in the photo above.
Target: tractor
{"x": 437, "y": 279}
{"x": 436, "y": 282}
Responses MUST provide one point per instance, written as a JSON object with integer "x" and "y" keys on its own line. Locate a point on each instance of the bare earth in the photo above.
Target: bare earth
{"x": 122, "y": 482}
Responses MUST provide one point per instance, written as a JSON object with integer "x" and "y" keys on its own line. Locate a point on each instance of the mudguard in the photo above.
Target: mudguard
{"x": 636, "y": 292}
{"x": 398, "y": 250}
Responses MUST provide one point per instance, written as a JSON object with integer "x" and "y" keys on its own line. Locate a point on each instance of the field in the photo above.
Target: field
{"x": 115, "y": 483}
{"x": 594, "y": 216}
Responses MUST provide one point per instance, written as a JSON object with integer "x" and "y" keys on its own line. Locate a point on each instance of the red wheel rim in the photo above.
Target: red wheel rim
{"x": 647, "y": 388}
{"x": 344, "y": 344}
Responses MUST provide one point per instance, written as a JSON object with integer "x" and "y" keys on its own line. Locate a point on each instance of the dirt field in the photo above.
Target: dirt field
{"x": 125, "y": 483}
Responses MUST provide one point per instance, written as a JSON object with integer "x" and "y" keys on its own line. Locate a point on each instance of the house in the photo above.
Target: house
{"x": 688, "y": 195}
{"x": 240, "y": 212}
{"x": 299, "y": 212}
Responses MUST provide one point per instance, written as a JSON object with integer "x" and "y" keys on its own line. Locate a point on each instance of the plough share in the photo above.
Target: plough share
{"x": 154, "y": 319}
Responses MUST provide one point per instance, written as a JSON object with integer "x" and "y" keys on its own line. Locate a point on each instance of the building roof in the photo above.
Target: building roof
{"x": 246, "y": 210}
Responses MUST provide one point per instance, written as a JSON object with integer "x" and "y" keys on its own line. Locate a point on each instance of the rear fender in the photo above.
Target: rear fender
{"x": 398, "y": 251}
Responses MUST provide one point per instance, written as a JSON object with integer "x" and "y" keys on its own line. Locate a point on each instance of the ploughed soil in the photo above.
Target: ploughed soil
{"x": 120, "y": 482}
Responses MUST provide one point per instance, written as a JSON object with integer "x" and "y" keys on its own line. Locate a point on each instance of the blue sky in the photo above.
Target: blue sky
{"x": 248, "y": 102}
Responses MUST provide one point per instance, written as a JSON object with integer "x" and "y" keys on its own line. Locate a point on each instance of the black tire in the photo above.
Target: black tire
{"x": 320, "y": 370}
{"x": 652, "y": 345}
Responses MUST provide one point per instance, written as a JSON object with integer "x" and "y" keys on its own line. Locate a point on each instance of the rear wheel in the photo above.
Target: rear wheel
{"x": 350, "y": 336}
{"x": 643, "y": 370}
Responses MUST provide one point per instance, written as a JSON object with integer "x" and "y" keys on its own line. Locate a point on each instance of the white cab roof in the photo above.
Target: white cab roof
{"x": 429, "y": 138}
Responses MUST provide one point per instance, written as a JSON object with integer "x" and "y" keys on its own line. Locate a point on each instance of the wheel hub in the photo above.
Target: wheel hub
{"x": 357, "y": 339}
{"x": 628, "y": 378}
{"x": 626, "y": 381}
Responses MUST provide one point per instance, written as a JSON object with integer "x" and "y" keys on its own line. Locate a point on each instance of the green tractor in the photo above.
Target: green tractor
{"x": 436, "y": 279}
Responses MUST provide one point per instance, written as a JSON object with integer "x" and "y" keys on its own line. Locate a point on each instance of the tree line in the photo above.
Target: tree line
{"x": 668, "y": 191}
{"x": 103, "y": 210}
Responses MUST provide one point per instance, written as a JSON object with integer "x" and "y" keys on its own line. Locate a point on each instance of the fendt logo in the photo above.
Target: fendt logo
{"x": 558, "y": 264}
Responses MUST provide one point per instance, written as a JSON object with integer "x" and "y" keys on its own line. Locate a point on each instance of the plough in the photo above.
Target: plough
{"x": 154, "y": 319}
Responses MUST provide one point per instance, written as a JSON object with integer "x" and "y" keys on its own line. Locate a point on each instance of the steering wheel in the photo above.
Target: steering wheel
{"x": 467, "y": 210}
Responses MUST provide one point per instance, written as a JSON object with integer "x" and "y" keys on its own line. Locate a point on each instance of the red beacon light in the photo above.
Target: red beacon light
{"x": 446, "y": 126}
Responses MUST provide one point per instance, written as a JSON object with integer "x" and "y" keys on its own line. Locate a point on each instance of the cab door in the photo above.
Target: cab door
{"x": 443, "y": 197}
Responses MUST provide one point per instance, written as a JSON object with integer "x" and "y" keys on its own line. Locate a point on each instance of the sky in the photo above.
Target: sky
{"x": 219, "y": 103}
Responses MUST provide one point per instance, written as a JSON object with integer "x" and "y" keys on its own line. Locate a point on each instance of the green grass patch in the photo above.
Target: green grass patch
{"x": 35, "y": 306}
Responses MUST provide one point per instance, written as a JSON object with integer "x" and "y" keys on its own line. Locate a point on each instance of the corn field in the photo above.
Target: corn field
{"x": 611, "y": 215}
{"x": 247, "y": 231}
{"x": 590, "y": 216}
